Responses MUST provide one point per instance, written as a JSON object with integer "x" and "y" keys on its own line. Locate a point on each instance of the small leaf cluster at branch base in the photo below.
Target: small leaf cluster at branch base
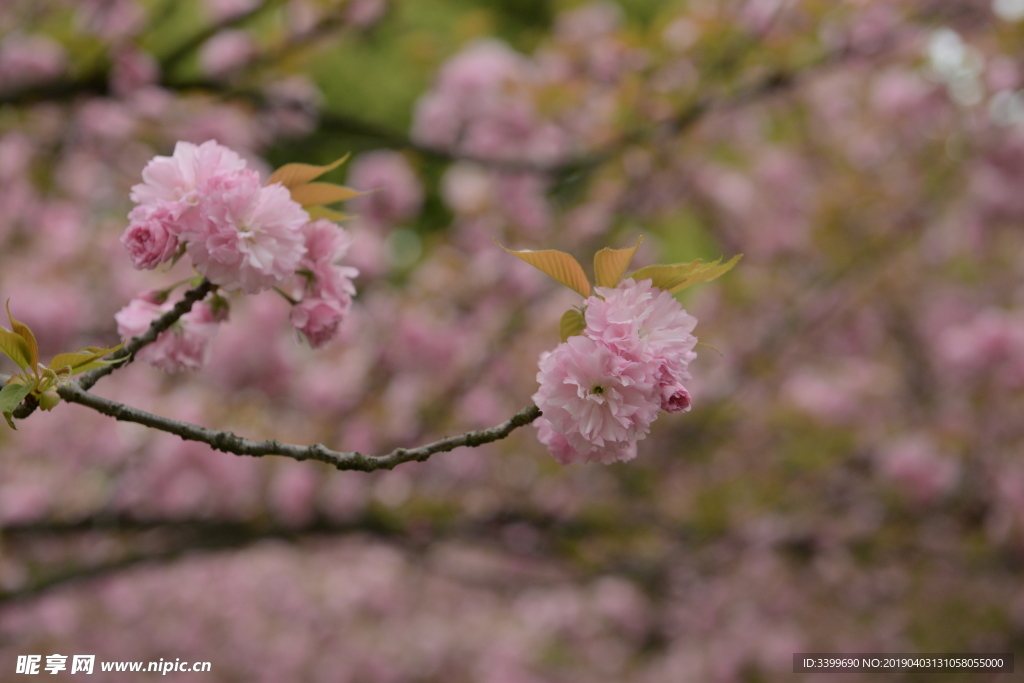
{"x": 38, "y": 382}
{"x": 624, "y": 354}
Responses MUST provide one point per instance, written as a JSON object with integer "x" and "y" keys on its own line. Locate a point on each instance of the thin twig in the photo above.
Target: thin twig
{"x": 229, "y": 442}
{"x": 86, "y": 381}
{"x": 197, "y": 293}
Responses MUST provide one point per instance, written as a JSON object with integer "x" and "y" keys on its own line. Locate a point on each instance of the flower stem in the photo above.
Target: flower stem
{"x": 289, "y": 299}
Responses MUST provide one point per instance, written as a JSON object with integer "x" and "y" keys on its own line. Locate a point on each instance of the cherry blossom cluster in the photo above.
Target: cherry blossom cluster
{"x": 482, "y": 106}
{"x": 240, "y": 234}
{"x": 601, "y": 391}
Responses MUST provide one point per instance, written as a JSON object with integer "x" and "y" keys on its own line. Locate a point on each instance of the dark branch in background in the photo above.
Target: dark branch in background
{"x": 171, "y": 61}
{"x": 98, "y": 82}
{"x": 777, "y": 81}
{"x": 178, "y": 538}
{"x": 773, "y": 83}
{"x": 168, "y": 540}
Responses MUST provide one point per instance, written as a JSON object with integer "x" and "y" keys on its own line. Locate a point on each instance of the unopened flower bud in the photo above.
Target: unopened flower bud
{"x": 48, "y": 400}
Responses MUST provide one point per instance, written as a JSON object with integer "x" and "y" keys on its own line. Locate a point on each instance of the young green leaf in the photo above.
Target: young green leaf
{"x": 97, "y": 364}
{"x": 11, "y": 397}
{"x": 21, "y": 329}
{"x": 710, "y": 271}
{"x": 16, "y": 348}
{"x": 558, "y": 265}
{"x": 665, "y": 276}
{"x": 84, "y": 359}
{"x": 317, "y": 194}
{"x": 293, "y": 175}
{"x": 571, "y": 324}
{"x": 610, "y": 264}
{"x": 679, "y": 276}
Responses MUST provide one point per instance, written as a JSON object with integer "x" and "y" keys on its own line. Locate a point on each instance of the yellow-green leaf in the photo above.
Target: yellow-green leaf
{"x": 97, "y": 364}
{"x": 571, "y": 324}
{"x": 708, "y": 272}
{"x": 700, "y": 343}
{"x": 21, "y": 329}
{"x": 292, "y": 175}
{"x": 610, "y": 264}
{"x": 679, "y": 276}
{"x": 101, "y": 350}
{"x": 11, "y": 397}
{"x": 71, "y": 360}
{"x": 558, "y": 265}
{"x": 329, "y": 214}
{"x": 664, "y": 276}
{"x": 84, "y": 359}
{"x": 15, "y": 347}
{"x": 316, "y": 194}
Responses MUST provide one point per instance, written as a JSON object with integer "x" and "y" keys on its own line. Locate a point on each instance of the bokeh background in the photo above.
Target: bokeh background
{"x": 851, "y": 476}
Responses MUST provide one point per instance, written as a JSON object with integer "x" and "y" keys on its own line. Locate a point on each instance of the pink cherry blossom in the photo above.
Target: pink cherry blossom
{"x": 648, "y": 325}
{"x": 642, "y": 322}
{"x": 226, "y": 53}
{"x": 26, "y": 59}
{"x": 246, "y": 236}
{"x": 564, "y": 453}
{"x": 184, "y": 346}
{"x": 468, "y": 85}
{"x": 992, "y": 340}
{"x": 394, "y": 193}
{"x": 181, "y": 176}
{"x": 474, "y": 108}
{"x": 324, "y": 286}
{"x": 365, "y": 13}
{"x": 674, "y": 398}
{"x": 916, "y": 464}
{"x": 151, "y": 236}
{"x": 326, "y": 245}
{"x": 601, "y": 391}
{"x": 318, "y": 319}
{"x": 132, "y": 69}
{"x": 595, "y": 397}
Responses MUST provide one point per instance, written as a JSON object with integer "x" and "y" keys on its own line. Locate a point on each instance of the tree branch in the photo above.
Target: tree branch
{"x": 229, "y": 442}
{"x": 187, "y": 48}
{"x": 161, "y": 324}
{"x": 171, "y": 539}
